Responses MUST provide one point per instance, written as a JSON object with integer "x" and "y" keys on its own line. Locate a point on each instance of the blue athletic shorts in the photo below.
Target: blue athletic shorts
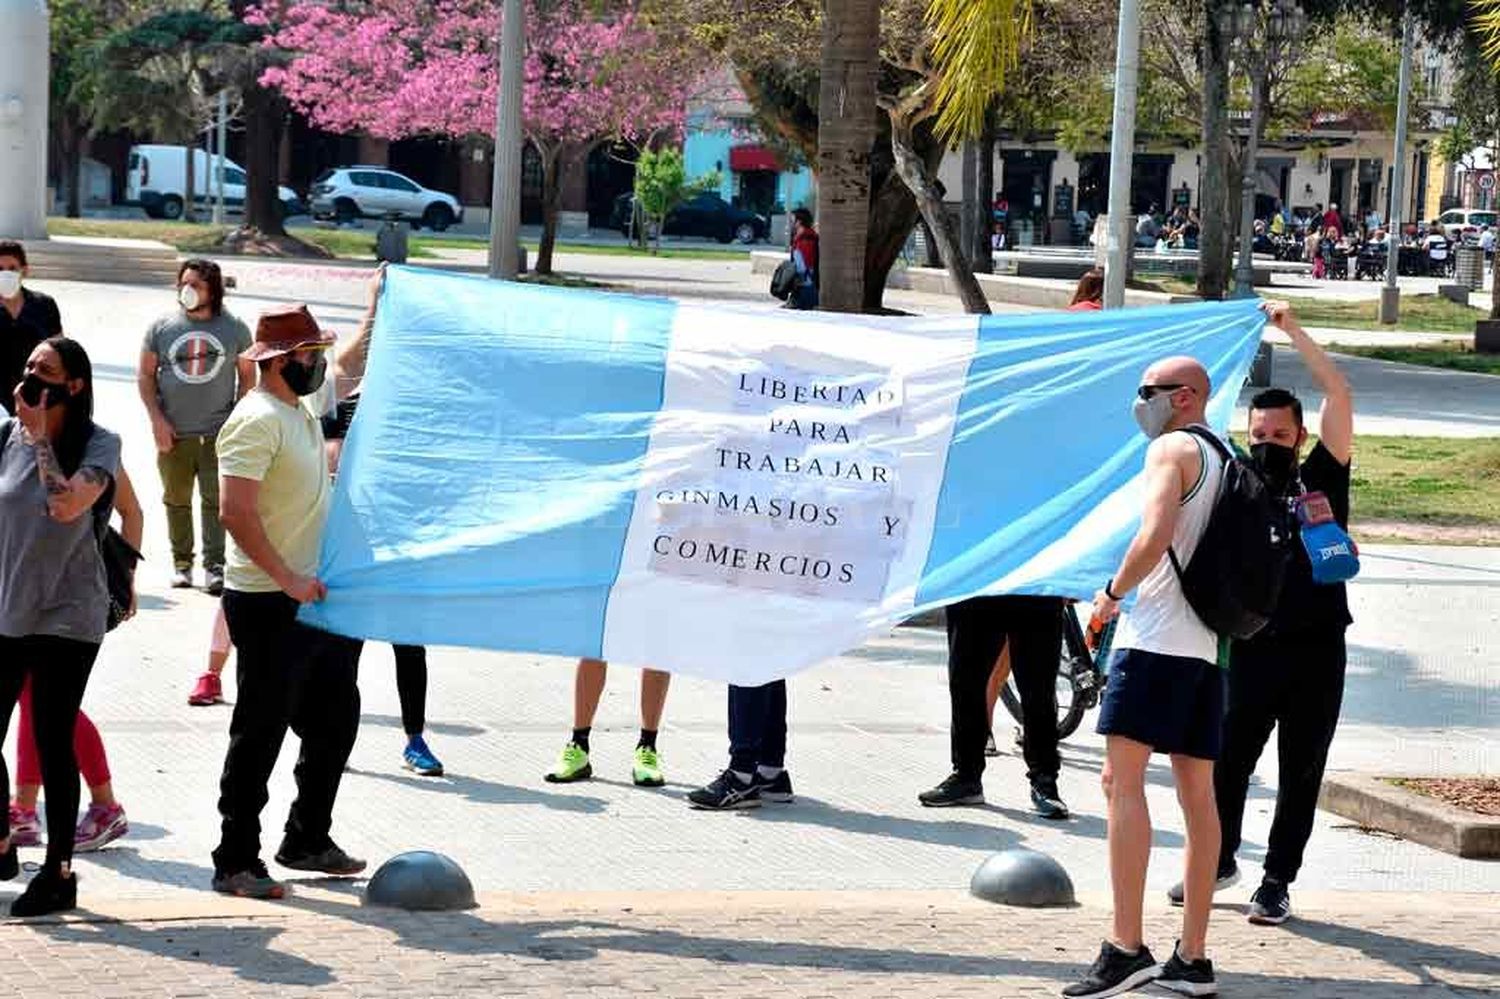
{"x": 1174, "y": 704}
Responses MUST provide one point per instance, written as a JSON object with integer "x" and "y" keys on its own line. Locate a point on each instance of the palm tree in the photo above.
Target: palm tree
{"x": 847, "y": 123}
{"x": 957, "y": 55}
{"x": 1487, "y": 27}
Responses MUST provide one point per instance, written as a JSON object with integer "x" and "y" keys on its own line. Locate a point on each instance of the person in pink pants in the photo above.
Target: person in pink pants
{"x": 103, "y": 823}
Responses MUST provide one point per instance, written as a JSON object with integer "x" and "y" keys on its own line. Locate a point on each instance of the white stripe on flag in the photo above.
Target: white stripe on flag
{"x": 837, "y": 428}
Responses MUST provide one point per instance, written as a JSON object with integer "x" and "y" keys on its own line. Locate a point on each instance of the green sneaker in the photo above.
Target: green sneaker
{"x": 572, "y": 765}
{"x": 647, "y": 769}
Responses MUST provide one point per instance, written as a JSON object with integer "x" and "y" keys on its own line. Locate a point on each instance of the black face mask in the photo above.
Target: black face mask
{"x": 1278, "y": 463}
{"x": 32, "y": 388}
{"x": 305, "y": 379}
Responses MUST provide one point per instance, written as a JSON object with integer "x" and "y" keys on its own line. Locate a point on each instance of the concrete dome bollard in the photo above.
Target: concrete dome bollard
{"x": 1022, "y": 877}
{"x": 420, "y": 880}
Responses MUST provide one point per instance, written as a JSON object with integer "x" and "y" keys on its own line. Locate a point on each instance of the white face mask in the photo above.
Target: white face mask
{"x": 1154, "y": 414}
{"x": 10, "y": 284}
{"x": 188, "y": 296}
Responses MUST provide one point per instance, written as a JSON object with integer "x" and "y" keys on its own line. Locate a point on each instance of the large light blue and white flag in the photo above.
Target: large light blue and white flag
{"x": 732, "y": 492}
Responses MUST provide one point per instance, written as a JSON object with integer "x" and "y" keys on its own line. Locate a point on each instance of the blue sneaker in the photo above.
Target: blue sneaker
{"x": 419, "y": 759}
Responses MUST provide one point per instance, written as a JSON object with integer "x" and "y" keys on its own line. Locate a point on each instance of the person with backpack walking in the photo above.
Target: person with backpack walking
{"x": 804, "y": 254}
{"x": 1290, "y": 675}
{"x": 1166, "y": 688}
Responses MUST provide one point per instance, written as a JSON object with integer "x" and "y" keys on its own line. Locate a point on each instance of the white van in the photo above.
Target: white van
{"x": 156, "y": 179}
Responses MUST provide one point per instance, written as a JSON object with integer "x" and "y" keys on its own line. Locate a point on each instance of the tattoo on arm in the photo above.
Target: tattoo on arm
{"x": 46, "y": 464}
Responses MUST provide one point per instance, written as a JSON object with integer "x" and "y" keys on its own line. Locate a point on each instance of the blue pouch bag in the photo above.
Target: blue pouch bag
{"x": 1333, "y": 555}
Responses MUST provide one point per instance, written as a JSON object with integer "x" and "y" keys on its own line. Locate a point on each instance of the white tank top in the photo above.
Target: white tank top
{"x": 1161, "y": 620}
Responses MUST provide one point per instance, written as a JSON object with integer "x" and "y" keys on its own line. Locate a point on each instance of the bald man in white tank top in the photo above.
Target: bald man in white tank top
{"x": 1165, "y": 692}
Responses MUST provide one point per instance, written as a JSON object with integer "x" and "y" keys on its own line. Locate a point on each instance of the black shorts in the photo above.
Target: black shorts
{"x": 1173, "y": 704}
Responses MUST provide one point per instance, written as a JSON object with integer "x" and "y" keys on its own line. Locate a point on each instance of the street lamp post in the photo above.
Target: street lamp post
{"x": 1275, "y": 23}
{"x": 1390, "y": 295}
{"x": 505, "y": 198}
{"x": 1121, "y": 234}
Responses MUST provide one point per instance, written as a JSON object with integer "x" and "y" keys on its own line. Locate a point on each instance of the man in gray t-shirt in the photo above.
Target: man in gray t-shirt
{"x": 190, "y": 377}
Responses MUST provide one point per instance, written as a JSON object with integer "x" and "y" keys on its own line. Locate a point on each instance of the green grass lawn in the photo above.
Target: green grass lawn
{"x": 1452, "y": 354}
{"x": 190, "y": 237}
{"x": 1427, "y": 480}
{"x": 1419, "y": 313}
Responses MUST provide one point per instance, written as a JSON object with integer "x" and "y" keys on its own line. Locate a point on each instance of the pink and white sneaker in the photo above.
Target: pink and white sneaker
{"x": 100, "y": 825}
{"x": 25, "y": 827}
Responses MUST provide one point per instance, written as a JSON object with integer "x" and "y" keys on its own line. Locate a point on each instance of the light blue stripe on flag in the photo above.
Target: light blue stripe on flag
{"x": 425, "y": 543}
{"x": 1043, "y": 435}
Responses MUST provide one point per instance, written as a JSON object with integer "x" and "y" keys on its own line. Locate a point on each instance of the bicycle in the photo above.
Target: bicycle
{"x": 1080, "y": 677}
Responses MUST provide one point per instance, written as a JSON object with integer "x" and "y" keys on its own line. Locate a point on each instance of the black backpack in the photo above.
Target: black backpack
{"x": 1233, "y": 580}
{"x": 785, "y": 281}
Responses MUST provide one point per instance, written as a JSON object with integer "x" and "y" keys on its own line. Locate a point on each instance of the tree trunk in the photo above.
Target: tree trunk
{"x": 551, "y": 204}
{"x": 984, "y": 263}
{"x": 264, "y": 111}
{"x": 72, "y": 150}
{"x": 847, "y": 122}
{"x": 919, "y": 178}
{"x": 1215, "y": 217}
{"x": 190, "y": 194}
{"x": 969, "y": 213}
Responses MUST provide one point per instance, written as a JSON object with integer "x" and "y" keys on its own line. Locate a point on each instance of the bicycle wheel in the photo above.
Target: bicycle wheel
{"x": 1072, "y": 702}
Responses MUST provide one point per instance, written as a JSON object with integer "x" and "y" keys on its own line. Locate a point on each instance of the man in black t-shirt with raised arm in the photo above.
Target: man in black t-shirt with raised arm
{"x": 1290, "y": 676}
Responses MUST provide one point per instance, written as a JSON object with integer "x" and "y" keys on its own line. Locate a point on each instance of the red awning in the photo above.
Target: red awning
{"x": 742, "y": 158}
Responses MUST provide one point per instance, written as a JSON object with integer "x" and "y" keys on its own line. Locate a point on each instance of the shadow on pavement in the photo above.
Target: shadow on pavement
{"x": 1416, "y": 957}
{"x": 1389, "y": 687}
{"x": 244, "y": 948}
{"x": 127, "y": 862}
{"x": 490, "y": 792}
{"x": 436, "y": 728}
{"x": 811, "y": 811}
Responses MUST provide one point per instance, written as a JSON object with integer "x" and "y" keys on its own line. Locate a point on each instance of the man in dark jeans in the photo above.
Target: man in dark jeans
{"x": 274, "y": 502}
{"x": 979, "y": 630}
{"x": 1290, "y": 676}
{"x": 757, "y": 752}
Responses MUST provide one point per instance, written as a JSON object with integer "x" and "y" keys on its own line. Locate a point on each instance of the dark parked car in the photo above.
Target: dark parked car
{"x": 704, "y": 214}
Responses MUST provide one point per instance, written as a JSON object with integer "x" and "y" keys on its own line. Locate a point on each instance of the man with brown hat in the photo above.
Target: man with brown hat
{"x": 274, "y": 498}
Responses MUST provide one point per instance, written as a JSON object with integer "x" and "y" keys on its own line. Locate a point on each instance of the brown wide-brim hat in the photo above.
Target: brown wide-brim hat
{"x": 281, "y": 331}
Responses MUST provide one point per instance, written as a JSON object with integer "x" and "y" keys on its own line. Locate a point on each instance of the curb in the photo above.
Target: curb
{"x": 1374, "y": 803}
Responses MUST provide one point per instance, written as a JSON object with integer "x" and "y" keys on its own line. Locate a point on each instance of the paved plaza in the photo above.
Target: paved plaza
{"x": 603, "y": 889}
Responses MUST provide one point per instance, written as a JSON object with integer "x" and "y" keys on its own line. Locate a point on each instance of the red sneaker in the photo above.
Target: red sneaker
{"x": 208, "y": 690}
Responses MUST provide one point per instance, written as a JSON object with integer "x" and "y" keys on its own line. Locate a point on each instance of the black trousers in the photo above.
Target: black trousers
{"x": 59, "y": 670}
{"x": 978, "y": 629}
{"x": 290, "y": 676}
{"x": 757, "y": 726}
{"x": 411, "y": 686}
{"x": 1294, "y": 683}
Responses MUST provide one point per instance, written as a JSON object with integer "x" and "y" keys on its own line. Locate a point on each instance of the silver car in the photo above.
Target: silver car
{"x": 375, "y": 192}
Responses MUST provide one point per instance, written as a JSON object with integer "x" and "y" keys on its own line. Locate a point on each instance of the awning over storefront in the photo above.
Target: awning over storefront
{"x": 743, "y": 158}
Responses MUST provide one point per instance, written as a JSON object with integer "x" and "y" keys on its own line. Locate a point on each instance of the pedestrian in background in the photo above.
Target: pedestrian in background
{"x": 26, "y": 319}
{"x": 190, "y": 376}
{"x": 804, "y": 250}
{"x": 55, "y": 466}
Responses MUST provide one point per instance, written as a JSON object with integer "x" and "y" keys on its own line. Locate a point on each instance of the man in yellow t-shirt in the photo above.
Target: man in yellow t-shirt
{"x": 274, "y": 498}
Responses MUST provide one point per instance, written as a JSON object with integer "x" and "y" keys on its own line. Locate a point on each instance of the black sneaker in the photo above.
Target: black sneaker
{"x": 726, "y": 792}
{"x": 1225, "y": 877}
{"x": 1191, "y": 978}
{"x": 954, "y": 790}
{"x": 48, "y": 892}
{"x": 1114, "y": 972}
{"x": 1045, "y": 800}
{"x": 778, "y": 788}
{"x": 329, "y": 860}
{"x": 252, "y": 882}
{"x": 1270, "y": 905}
{"x": 10, "y": 863}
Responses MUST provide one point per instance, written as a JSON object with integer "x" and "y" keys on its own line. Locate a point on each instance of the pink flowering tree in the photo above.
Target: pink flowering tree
{"x": 595, "y": 72}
